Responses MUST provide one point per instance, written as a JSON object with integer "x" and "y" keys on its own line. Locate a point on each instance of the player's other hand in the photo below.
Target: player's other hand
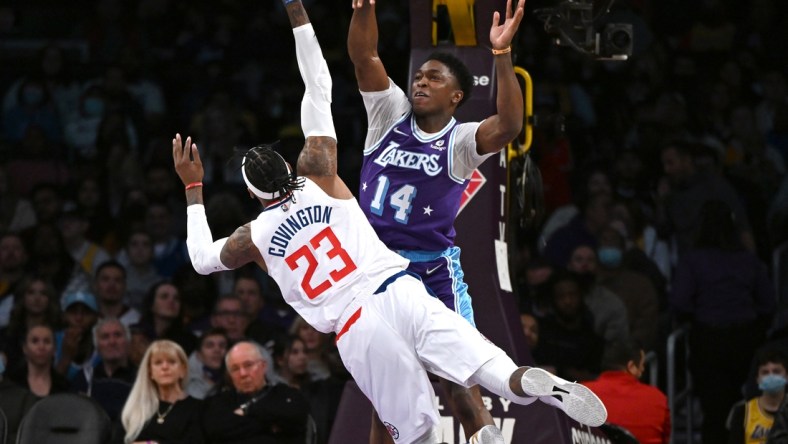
{"x": 501, "y": 35}
{"x": 358, "y": 4}
{"x": 187, "y": 160}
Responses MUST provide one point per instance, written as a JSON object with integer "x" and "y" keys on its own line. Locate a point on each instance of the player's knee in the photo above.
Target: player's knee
{"x": 487, "y": 435}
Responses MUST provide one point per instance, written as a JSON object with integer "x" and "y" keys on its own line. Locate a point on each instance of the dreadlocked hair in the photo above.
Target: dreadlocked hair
{"x": 267, "y": 170}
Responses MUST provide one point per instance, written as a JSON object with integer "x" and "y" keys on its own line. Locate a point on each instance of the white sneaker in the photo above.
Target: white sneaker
{"x": 488, "y": 434}
{"x": 576, "y": 400}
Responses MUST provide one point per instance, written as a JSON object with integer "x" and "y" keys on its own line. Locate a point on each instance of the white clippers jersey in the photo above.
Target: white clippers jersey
{"x": 322, "y": 253}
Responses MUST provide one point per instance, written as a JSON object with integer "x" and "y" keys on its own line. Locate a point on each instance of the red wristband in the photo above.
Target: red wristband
{"x": 193, "y": 185}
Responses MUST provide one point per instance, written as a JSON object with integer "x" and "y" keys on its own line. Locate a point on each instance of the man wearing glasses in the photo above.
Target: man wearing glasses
{"x": 253, "y": 410}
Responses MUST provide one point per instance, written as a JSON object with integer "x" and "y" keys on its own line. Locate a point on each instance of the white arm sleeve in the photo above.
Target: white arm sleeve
{"x": 383, "y": 108}
{"x": 316, "y": 119}
{"x": 203, "y": 251}
{"x": 466, "y": 158}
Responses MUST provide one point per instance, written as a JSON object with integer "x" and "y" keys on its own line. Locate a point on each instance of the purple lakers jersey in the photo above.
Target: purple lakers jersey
{"x": 408, "y": 190}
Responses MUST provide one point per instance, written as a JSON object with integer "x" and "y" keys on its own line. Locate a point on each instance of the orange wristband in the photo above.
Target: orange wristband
{"x": 506, "y": 50}
{"x": 193, "y": 185}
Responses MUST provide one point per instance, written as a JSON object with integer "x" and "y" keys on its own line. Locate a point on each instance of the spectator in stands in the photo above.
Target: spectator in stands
{"x": 639, "y": 408}
{"x": 318, "y": 348}
{"x": 229, "y": 314}
{"x": 74, "y": 227}
{"x": 751, "y": 420}
{"x": 34, "y": 108}
{"x": 206, "y": 363}
{"x": 50, "y": 259}
{"x": 15, "y": 401}
{"x": 249, "y": 291}
{"x": 36, "y": 304}
{"x": 567, "y": 340}
{"x": 162, "y": 319}
{"x": 169, "y": 251}
{"x": 47, "y": 202}
{"x": 254, "y": 410}
{"x": 582, "y": 229}
{"x": 74, "y": 348}
{"x": 109, "y": 381}
{"x": 37, "y": 373}
{"x": 530, "y": 330}
{"x": 13, "y": 264}
{"x": 724, "y": 291}
{"x": 611, "y": 321}
{"x": 110, "y": 289}
{"x": 678, "y": 205}
{"x": 631, "y": 287}
{"x": 158, "y": 408}
{"x": 323, "y": 395}
{"x": 16, "y": 212}
{"x": 91, "y": 203}
{"x": 137, "y": 258}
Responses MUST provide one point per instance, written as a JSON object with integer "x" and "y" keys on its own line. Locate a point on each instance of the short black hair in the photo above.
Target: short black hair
{"x": 771, "y": 353}
{"x": 460, "y": 71}
{"x": 267, "y": 170}
{"x": 619, "y": 353}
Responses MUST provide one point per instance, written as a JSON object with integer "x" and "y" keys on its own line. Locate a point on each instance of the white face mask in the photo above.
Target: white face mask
{"x": 772, "y": 383}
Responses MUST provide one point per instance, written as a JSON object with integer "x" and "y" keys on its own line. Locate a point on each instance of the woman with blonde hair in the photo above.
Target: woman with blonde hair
{"x": 158, "y": 409}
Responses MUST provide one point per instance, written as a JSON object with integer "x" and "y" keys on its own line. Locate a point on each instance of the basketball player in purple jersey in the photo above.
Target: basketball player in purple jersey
{"x": 418, "y": 160}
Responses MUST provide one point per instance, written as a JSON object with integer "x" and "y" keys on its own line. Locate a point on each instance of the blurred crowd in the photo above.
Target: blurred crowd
{"x": 664, "y": 186}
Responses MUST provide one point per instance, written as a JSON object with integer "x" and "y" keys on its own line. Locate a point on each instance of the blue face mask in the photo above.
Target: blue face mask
{"x": 772, "y": 383}
{"x": 94, "y": 106}
{"x": 610, "y": 256}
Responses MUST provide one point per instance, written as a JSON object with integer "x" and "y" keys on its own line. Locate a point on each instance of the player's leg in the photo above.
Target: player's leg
{"x": 388, "y": 372}
{"x": 443, "y": 275}
{"x": 449, "y": 347}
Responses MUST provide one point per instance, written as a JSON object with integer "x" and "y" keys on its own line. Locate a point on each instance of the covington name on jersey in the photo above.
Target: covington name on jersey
{"x": 406, "y": 159}
{"x": 287, "y": 229}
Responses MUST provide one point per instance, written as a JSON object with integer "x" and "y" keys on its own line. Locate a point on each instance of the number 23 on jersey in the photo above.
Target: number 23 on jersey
{"x": 311, "y": 254}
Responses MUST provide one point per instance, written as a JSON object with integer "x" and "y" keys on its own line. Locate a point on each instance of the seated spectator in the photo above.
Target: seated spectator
{"x": 248, "y": 289}
{"x": 633, "y": 288}
{"x": 13, "y": 263}
{"x": 639, "y": 408}
{"x": 229, "y": 314}
{"x": 109, "y": 381}
{"x": 252, "y": 410}
{"x": 581, "y": 230}
{"x": 206, "y": 363}
{"x": 751, "y": 420}
{"x": 162, "y": 317}
{"x": 158, "y": 408}
{"x": 607, "y": 309}
{"x": 17, "y": 212}
{"x": 323, "y": 395}
{"x": 37, "y": 373}
{"x": 15, "y": 401}
{"x": 36, "y": 304}
{"x": 567, "y": 340}
{"x": 74, "y": 348}
{"x": 74, "y": 227}
{"x": 50, "y": 259}
{"x": 141, "y": 275}
{"x": 530, "y": 330}
{"x": 318, "y": 348}
{"x": 110, "y": 290}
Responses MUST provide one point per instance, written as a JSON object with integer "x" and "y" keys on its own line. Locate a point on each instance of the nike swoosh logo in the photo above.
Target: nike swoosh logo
{"x": 432, "y": 270}
{"x": 399, "y": 132}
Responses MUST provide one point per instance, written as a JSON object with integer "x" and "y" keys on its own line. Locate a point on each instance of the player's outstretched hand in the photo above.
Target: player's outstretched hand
{"x": 187, "y": 160}
{"x": 501, "y": 35}
{"x": 358, "y": 4}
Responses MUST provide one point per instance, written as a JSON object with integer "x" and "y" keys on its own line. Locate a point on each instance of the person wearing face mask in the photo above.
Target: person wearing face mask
{"x": 637, "y": 407}
{"x": 750, "y": 421}
{"x": 633, "y": 288}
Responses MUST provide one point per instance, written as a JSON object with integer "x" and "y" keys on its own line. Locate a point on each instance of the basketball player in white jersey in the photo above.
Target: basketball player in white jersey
{"x": 313, "y": 239}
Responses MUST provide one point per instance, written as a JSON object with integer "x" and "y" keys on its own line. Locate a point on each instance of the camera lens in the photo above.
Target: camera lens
{"x": 620, "y": 39}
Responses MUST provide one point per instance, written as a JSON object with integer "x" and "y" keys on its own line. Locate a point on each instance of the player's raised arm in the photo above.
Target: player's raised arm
{"x": 362, "y": 46}
{"x": 318, "y": 158}
{"x": 206, "y": 255}
{"x": 498, "y": 130}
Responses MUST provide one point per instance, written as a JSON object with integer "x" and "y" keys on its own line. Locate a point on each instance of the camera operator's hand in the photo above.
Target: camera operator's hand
{"x": 501, "y": 35}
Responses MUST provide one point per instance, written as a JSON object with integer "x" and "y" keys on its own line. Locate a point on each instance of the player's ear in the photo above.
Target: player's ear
{"x": 251, "y": 195}
{"x": 456, "y": 98}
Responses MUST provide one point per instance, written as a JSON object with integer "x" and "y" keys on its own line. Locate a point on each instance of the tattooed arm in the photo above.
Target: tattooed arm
{"x": 318, "y": 159}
